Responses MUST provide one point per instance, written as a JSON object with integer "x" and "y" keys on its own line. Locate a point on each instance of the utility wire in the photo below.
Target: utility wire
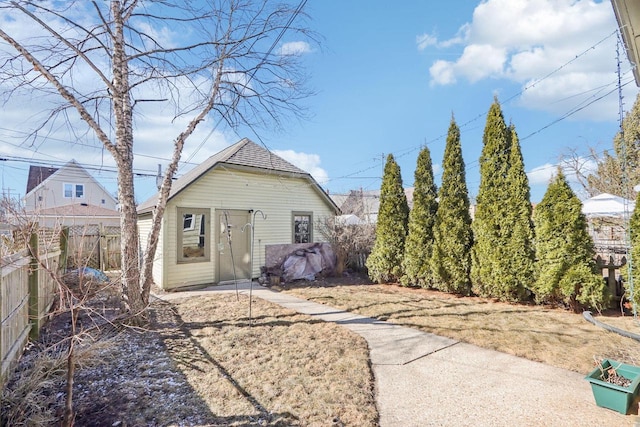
{"x": 481, "y": 115}
{"x": 355, "y": 175}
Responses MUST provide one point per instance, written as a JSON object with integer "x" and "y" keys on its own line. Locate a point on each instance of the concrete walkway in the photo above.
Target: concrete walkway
{"x": 427, "y": 380}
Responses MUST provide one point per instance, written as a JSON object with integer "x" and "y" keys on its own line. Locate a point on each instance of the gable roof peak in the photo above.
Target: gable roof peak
{"x": 247, "y": 153}
{"x": 244, "y": 153}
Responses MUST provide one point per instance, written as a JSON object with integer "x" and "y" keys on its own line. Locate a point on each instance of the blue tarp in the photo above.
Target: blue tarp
{"x": 91, "y": 273}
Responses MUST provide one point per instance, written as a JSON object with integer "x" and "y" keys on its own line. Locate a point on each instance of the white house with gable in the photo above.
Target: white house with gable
{"x": 68, "y": 196}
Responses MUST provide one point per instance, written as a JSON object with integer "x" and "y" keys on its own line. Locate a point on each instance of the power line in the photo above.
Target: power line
{"x": 139, "y": 172}
{"x": 402, "y": 153}
{"x": 530, "y": 86}
{"x": 81, "y": 144}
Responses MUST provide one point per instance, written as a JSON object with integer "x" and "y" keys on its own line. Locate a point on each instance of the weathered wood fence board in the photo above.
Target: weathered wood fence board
{"x": 95, "y": 246}
{"x": 27, "y": 291}
{"x": 14, "y": 308}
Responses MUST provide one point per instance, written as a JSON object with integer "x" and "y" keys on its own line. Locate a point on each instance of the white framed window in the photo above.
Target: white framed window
{"x": 194, "y": 235}
{"x": 73, "y": 191}
{"x": 68, "y": 191}
{"x": 187, "y": 222}
{"x": 302, "y": 225}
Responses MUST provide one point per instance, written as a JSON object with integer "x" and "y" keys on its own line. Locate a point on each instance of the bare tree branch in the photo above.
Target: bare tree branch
{"x": 208, "y": 60}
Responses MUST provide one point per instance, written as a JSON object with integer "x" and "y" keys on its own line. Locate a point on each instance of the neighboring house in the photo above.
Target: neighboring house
{"x": 606, "y": 217}
{"x": 608, "y": 221}
{"x": 206, "y": 232}
{"x": 365, "y": 204}
{"x": 68, "y": 196}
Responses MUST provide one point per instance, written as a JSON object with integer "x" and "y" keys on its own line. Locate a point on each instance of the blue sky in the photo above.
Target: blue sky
{"x": 387, "y": 80}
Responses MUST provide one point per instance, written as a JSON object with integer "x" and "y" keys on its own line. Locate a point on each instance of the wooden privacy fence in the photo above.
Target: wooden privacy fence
{"x": 94, "y": 245}
{"x": 27, "y": 291}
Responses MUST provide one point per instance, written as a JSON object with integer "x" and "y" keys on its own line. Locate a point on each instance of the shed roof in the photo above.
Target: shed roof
{"x": 243, "y": 153}
{"x": 79, "y": 209}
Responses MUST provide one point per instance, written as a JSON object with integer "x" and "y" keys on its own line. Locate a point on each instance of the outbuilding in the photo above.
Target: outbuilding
{"x": 221, "y": 215}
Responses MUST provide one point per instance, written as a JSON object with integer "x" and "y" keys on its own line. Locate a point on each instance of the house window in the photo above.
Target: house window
{"x": 187, "y": 222}
{"x": 193, "y": 235}
{"x": 73, "y": 190}
{"x": 302, "y": 227}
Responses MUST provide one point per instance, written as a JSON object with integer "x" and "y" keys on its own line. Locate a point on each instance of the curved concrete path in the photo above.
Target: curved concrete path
{"x": 427, "y": 380}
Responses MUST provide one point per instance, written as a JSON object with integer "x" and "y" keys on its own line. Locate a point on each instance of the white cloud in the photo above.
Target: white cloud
{"x": 307, "y": 162}
{"x": 295, "y": 48}
{"x": 538, "y": 44}
{"x": 443, "y": 72}
{"x": 425, "y": 40}
{"x": 481, "y": 60}
{"x": 542, "y": 174}
{"x": 163, "y": 36}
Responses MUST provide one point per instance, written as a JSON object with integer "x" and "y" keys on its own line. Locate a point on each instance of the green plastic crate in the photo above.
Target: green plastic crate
{"x": 613, "y": 396}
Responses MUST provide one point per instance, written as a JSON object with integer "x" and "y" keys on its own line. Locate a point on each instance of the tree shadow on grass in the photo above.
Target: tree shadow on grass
{"x": 189, "y": 354}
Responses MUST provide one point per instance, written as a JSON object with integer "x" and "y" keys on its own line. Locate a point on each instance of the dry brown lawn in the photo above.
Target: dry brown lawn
{"x": 550, "y": 335}
{"x": 282, "y": 368}
{"x": 200, "y": 363}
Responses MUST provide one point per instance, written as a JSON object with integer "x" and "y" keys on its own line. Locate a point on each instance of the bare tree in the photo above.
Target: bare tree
{"x": 351, "y": 243}
{"x": 616, "y": 172}
{"x": 220, "y": 61}
{"x": 600, "y": 172}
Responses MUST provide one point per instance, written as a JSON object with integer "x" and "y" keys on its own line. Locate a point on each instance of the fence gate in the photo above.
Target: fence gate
{"x": 110, "y": 258}
{"x": 95, "y": 246}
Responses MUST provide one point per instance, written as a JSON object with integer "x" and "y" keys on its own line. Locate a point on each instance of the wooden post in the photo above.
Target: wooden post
{"x": 102, "y": 248}
{"x": 34, "y": 312}
{"x": 2, "y": 355}
{"x": 64, "y": 248}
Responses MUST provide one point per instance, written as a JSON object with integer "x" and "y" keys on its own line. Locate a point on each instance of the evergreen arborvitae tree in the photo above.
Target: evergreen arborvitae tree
{"x": 453, "y": 238}
{"x": 419, "y": 243}
{"x": 566, "y": 270}
{"x": 519, "y": 261}
{"x": 634, "y": 294}
{"x": 490, "y": 267}
{"x": 385, "y": 261}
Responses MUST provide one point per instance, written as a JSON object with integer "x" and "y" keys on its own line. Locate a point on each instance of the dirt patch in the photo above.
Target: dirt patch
{"x": 200, "y": 362}
{"x": 347, "y": 279}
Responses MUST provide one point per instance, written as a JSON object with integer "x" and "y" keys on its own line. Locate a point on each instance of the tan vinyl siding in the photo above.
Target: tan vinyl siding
{"x": 222, "y": 188}
{"x": 180, "y": 274}
{"x": 144, "y": 225}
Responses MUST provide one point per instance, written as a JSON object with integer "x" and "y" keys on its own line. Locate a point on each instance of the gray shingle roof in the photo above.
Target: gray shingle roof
{"x": 248, "y": 153}
{"x": 37, "y": 174}
{"x": 243, "y": 153}
{"x": 79, "y": 209}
